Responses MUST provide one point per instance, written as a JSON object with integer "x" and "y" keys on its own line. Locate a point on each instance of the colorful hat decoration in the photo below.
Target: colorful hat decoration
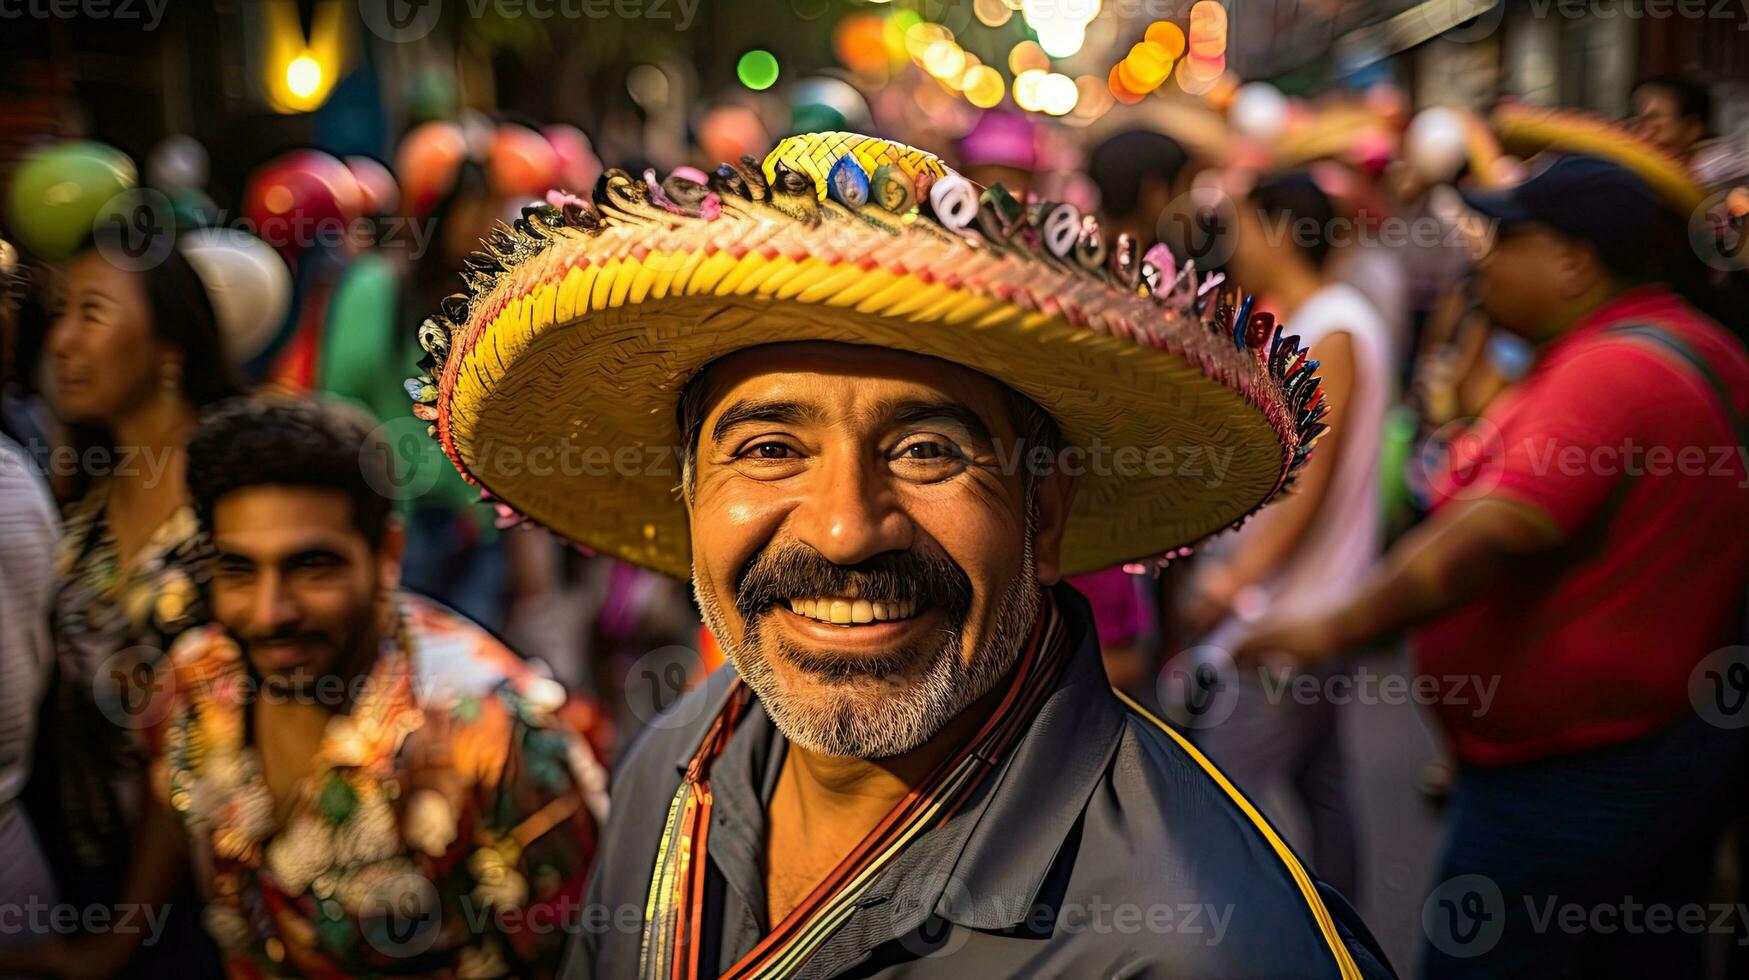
{"x": 552, "y": 382}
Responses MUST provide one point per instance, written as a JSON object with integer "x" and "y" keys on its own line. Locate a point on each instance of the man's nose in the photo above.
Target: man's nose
{"x": 273, "y": 607}
{"x": 851, "y": 512}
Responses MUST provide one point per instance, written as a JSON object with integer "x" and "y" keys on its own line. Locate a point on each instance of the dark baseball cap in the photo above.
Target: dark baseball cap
{"x": 1598, "y": 202}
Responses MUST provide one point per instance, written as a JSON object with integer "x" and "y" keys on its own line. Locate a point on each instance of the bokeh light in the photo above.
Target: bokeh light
{"x": 945, "y": 60}
{"x": 919, "y": 36}
{"x": 983, "y": 86}
{"x": 303, "y": 76}
{"x": 1056, "y": 94}
{"x": 1147, "y": 65}
{"x": 992, "y": 13}
{"x": 1094, "y": 99}
{"x": 860, "y": 42}
{"x": 1062, "y": 40}
{"x": 1061, "y": 25}
{"x": 1028, "y": 56}
{"x": 1167, "y": 35}
{"x": 1026, "y": 89}
{"x": 757, "y": 69}
{"x": 1120, "y": 90}
{"x": 1191, "y": 83}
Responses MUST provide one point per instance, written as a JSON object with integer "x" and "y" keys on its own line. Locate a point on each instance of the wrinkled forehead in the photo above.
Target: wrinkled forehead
{"x": 840, "y": 381}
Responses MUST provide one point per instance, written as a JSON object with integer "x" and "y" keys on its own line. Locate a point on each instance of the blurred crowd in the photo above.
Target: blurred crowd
{"x": 1478, "y": 293}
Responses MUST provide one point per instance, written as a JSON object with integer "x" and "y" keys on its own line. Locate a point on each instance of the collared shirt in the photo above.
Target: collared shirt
{"x": 445, "y": 829}
{"x": 1104, "y": 846}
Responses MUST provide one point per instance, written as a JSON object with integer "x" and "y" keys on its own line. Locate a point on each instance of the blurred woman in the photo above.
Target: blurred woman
{"x": 133, "y": 357}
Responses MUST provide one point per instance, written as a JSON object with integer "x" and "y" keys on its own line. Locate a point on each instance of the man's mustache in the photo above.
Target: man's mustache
{"x": 783, "y": 572}
{"x": 284, "y": 638}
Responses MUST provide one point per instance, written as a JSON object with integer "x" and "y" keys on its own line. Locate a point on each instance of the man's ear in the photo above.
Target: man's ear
{"x": 390, "y": 551}
{"x": 1579, "y": 267}
{"x": 1052, "y": 498}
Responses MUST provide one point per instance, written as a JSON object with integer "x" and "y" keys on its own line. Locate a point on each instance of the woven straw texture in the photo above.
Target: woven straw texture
{"x": 559, "y": 397}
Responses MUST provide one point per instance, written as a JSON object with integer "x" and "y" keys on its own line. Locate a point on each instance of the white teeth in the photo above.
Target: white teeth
{"x": 846, "y": 611}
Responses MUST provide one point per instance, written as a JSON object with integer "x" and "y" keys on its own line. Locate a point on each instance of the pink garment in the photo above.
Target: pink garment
{"x": 1118, "y": 613}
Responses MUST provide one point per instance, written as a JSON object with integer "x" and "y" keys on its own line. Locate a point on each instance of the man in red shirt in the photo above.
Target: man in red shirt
{"x": 1587, "y": 553}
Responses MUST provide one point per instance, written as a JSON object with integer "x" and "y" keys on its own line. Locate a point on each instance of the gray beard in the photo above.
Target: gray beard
{"x": 869, "y": 716}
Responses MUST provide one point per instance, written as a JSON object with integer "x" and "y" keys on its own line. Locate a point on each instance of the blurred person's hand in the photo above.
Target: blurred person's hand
{"x": 1208, "y": 601}
{"x": 1292, "y": 645}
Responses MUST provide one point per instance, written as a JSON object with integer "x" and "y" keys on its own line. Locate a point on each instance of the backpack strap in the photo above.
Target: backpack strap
{"x": 1672, "y": 344}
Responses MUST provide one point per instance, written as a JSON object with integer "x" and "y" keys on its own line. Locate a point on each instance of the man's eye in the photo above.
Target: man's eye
{"x": 769, "y": 450}
{"x": 928, "y": 451}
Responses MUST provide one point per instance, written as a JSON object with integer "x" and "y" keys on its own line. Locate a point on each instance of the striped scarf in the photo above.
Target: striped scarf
{"x": 674, "y": 914}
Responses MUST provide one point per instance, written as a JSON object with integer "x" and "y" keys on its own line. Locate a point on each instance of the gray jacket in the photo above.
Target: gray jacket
{"x": 1105, "y": 847}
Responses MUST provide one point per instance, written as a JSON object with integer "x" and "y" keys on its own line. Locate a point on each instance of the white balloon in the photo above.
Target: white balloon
{"x": 177, "y": 163}
{"x": 1437, "y": 145}
{"x": 1259, "y": 111}
{"x": 834, "y": 93}
{"x": 246, "y": 281}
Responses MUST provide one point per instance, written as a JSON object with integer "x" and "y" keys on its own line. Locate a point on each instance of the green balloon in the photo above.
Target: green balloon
{"x": 59, "y": 192}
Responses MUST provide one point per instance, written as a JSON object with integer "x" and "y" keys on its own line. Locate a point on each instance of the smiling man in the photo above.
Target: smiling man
{"x": 914, "y": 765}
{"x": 362, "y": 782}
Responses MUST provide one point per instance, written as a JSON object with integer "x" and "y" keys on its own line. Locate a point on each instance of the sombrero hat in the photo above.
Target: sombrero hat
{"x": 1526, "y": 129}
{"x": 553, "y": 381}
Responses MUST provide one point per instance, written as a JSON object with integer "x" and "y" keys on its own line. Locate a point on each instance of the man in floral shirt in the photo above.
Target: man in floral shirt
{"x": 364, "y": 782}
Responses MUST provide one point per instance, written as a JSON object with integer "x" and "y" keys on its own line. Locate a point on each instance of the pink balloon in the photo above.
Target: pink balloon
{"x": 578, "y": 165}
{"x": 381, "y": 194}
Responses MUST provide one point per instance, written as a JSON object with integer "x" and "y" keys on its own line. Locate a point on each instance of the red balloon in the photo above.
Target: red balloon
{"x": 522, "y": 162}
{"x": 427, "y": 162}
{"x": 300, "y": 200}
{"x": 381, "y": 195}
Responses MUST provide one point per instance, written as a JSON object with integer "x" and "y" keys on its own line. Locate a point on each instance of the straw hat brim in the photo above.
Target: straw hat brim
{"x": 558, "y": 395}
{"x": 1529, "y": 129}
